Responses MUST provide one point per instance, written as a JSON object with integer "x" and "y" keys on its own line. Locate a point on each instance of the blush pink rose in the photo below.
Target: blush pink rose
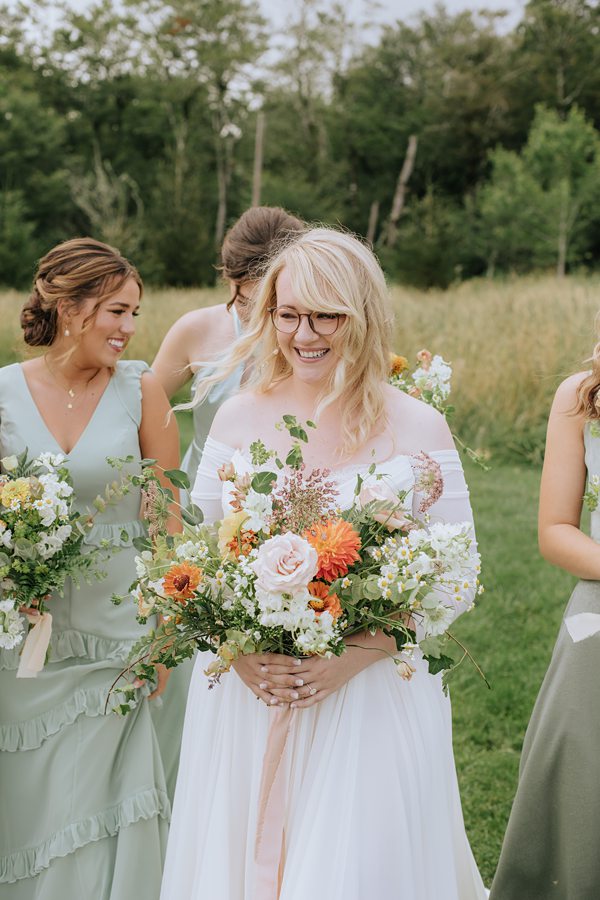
{"x": 285, "y": 564}
{"x": 391, "y": 514}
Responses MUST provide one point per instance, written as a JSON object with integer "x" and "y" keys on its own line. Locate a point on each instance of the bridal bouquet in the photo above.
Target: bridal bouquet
{"x": 41, "y": 538}
{"x": 430, "y": 382}
{"x": 287, "y": 571}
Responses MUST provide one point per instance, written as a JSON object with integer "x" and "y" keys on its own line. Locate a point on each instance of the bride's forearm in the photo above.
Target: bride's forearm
{"x": 379, "y": 641}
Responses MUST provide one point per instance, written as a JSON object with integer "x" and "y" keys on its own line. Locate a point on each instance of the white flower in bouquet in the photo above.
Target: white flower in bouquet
{"x": 11, "y": 625}
{"x": 434, "y": 376}
{"x": 259, "y": 509}
{"x": 436, "y": 618}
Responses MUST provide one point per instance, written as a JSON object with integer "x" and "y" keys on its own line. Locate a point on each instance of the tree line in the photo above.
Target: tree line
{"x": 458, "y": 147}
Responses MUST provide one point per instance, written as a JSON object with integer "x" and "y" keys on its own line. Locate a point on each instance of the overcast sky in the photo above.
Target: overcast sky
{"x": 390, "y": 10}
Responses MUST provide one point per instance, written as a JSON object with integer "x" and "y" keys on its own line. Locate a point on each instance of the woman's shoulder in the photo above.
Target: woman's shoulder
{"x": 420, "y": 425}
{"x": 567, "y": 393}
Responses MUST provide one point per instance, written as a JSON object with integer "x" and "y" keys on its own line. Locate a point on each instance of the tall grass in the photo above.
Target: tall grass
{"x": 510, "y": 344}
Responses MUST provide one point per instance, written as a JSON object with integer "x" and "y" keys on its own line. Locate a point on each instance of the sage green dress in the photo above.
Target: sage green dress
{"x": 551, "y": 847}
{"x": 84, "y": 808}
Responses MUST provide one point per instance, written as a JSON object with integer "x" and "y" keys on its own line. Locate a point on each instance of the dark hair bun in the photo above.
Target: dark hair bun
{"x": 39, "y": 325}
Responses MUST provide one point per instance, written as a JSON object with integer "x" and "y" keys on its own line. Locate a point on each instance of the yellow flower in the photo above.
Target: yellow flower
{"x": 228, "y": 531}
{"x": 398, "y": 364}
{"x": 15, "y": 493}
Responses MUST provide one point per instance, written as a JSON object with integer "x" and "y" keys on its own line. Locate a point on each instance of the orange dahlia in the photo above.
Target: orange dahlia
{"x": 323, "y": 600}
{"x": 337, "y": 545}
{"x": 181, "y": 581}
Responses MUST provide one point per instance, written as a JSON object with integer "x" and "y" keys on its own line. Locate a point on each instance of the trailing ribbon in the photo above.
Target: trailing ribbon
{"x": 269, "y": 847}
{"x": 33, "y": 655}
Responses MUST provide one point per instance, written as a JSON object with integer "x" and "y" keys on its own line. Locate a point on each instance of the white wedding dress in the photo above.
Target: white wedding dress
{"x": 372, "y": 803}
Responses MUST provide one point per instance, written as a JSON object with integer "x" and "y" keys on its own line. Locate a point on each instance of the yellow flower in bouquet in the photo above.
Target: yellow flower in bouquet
{"x": 398, "y": 364}
{"x": 228, "y": 532}
{"x": 15, "y": 493}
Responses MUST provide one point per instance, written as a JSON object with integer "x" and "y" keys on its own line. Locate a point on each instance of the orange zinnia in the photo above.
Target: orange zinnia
{"x": 323, "y": 600}
{"x": 337, "y": 545}
{"x": 181, "y": 581}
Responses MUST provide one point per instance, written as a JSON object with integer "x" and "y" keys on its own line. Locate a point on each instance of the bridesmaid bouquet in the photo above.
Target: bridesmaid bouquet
{"x": 41, "y": 538}
{"x": 430, "y": 382}
{"x": 289, "y": 572}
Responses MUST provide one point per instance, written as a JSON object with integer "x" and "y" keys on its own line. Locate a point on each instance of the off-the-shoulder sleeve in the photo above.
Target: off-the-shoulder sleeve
{"x": 207, "y": 492}
{"x": 453, "y": 506}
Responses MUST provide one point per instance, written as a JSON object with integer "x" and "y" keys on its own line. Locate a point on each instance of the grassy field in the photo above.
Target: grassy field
{"x": 511, "y": 634}
{"x": 509, "y": 343}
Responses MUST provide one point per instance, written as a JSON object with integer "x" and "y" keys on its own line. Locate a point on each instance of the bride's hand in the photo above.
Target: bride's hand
{"x": 251, "y": 669}
{"x": 302, "y": 683}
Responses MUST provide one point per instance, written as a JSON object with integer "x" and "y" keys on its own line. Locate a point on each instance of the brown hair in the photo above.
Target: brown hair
{"x": 72, "y": 272}
{"x": 250, "y": 242}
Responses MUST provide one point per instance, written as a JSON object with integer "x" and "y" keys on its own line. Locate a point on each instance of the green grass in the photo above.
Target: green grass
{"x": 511, "y": 634}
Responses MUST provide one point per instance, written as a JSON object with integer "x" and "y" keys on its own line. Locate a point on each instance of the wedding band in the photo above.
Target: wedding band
{"x": 312, "y": 691}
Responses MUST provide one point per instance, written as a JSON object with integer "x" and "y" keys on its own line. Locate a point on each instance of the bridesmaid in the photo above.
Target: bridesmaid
{"x": 204, "y": 334}
{"x": 84, "y": 798}
{"x": 550, "y": 850}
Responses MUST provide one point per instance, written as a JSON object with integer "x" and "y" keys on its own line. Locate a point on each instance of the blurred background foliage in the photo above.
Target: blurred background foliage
{"x": 459, "y": 147}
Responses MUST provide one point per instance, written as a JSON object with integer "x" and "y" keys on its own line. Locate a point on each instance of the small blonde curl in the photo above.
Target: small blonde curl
{"x": 334, "y": 272}
{"x": 588, "y": 392}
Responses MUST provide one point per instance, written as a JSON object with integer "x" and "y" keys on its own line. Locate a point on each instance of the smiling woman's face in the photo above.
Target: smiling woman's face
{"x": 102, "y": 341}
{"x": 311, "y": 355}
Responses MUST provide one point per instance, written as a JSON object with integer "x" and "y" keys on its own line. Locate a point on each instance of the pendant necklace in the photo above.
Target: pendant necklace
{"x": 71, "y": 394}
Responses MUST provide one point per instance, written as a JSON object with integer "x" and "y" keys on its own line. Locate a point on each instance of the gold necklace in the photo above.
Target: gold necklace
{"x": 69, "y": 390}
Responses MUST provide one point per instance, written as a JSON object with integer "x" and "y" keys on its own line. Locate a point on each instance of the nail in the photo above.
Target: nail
{"x": 294, "y": 695}
{"x": 274, "y": 701}
{"x": 299, "y": 682}
{"x": 264, "y": 669}
{"x": 297, "y": 662}
{"x": 292, "y": 706}
{"x": 263, "y": 685}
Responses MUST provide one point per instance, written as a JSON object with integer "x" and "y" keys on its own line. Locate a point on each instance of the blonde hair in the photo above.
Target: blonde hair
{"x": 588, "y": 392}
{"x": 334, "y": 272}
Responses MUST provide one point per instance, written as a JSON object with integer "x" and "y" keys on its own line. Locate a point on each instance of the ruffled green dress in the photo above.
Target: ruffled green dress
{"x": 84, "y": 810}
{"x": 551, "y": 846}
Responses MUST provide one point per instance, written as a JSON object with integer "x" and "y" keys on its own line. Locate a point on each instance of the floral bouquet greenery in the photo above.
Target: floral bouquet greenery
{"x": 41, "y": 538}
{"x": 287, "y": 571}
{"x": 430, "y": 381}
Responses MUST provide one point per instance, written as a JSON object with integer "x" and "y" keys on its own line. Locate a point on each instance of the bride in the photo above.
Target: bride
{"x": 371, "y": 806}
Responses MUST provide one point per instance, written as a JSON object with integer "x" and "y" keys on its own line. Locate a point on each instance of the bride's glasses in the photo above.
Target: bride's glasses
{"x": 287, "y": 320}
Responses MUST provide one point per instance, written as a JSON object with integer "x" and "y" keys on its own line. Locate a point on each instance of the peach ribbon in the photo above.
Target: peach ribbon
{"x": 269, "y": 844}
{"x": 33, "y": 654}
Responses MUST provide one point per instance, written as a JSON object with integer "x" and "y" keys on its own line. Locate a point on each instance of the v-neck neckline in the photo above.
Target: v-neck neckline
{"x": 40, "y": 415}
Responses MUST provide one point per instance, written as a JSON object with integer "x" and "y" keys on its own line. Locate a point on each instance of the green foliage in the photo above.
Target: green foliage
{"x": 136, "y": 122}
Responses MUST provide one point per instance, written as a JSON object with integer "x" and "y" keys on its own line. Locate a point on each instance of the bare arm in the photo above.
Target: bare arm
{"x": 171, "y": 365}
{"x": 159, "y": 440}
{"x": 198, "y": 336}
{"x": 563, "y": 484}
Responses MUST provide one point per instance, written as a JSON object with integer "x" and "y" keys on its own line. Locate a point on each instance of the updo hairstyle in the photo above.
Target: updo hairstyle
{"x": 72, "y": 272}
{"x": 251, "y": 241}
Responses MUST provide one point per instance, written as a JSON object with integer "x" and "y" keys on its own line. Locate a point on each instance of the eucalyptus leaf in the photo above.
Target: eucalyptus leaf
{"x": 178, "y": 478}
{"x": 262, "y": 482}
{"x": 192, "y": 515}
